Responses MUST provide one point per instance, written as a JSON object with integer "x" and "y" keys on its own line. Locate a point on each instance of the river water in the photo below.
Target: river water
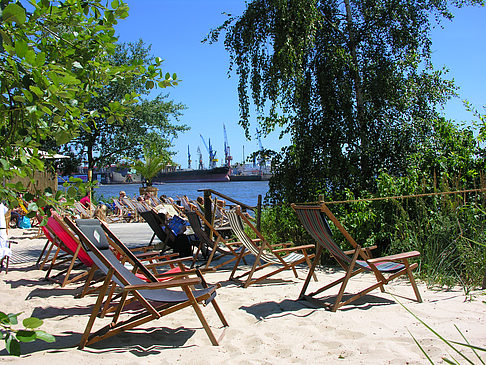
{"x": 244, "y": 191}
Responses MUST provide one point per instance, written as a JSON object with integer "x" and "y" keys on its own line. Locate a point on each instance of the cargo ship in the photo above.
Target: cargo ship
{"x": 216, "y": 174}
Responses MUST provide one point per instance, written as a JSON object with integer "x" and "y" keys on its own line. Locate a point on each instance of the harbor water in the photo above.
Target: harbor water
{"x": 244, "y": 191}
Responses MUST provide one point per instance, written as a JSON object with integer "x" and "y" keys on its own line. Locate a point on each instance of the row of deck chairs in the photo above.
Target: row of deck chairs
{"x": 91, "y": 244}
{"x": 286, "y": 256}
{"x": 314, "y": 218}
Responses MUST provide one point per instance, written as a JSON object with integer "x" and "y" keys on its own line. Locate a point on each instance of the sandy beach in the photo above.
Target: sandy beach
{"x": 267, "y": 324}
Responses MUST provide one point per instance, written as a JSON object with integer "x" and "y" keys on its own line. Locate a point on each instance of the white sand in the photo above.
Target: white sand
{"x": 267, "y": 325}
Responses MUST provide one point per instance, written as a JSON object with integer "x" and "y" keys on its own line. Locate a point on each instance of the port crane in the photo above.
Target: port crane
{"x": 261, "y": 158}
{"x": 188, "y": 158}
{"x": 227, "y": 154}
{"x": 201, "y": 166}
{"x": 211, "y": 152}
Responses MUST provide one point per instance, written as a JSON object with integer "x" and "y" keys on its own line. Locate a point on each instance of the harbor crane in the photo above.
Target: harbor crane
{"x": 261, "y": 158}
{"x": 201, "y": 166}
{"x": 188, "y": 158}
{"x": 211, "y": 152}
{"x": 227, "y": 154}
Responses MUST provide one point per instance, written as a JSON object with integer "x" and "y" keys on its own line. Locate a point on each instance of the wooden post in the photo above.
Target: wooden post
{"x": 259, "y": 212}
{"x": 90, "y": 179}
{"x": 208, "y": 209}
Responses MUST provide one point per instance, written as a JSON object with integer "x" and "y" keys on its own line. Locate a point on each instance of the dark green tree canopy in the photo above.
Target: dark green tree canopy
{"x": 350, "y": 81}
{"x": 148, "y": 122}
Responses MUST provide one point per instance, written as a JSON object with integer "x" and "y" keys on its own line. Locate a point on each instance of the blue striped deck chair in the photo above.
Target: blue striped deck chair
{"x": 265, "y": 253}
{"x": 313, "y": 218}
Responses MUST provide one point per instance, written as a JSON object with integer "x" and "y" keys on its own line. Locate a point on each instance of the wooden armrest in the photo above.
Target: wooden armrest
{"x": 295, "y": 248}
{"x": 351, "y": 252}
{"x": 282, "y": 244}
{"x": 397, "y": 257}
{"x": 237, "y": 243}
{"x": 168, "y": 262}
{"x": 163, "y": 284}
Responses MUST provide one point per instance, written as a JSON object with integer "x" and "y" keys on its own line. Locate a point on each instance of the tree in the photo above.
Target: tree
{"x": 153, "y": 162}
{"x": 53, "y": 59}
{"x": 105, "y": 140}
{"x": 350, "y": 81}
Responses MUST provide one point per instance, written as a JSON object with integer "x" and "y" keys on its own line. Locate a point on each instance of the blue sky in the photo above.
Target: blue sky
{"x": 175, "y": 29}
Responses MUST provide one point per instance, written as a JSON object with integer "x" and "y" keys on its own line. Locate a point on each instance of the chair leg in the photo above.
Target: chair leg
{"x": 345, "y": 281}
{"x": 200, "y": 315}
{"x": 46, "y": 257}
{"x": 311, "y": 273}
{"x": 42, "y": 254}
{"x": 237, "y": 263}
{"x": 95, "y": 310}
{"x": 88, "y": 281}
{"x": 412, "y": 281}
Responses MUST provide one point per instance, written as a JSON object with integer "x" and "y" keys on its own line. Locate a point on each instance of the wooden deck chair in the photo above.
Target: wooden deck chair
{"x": 82, "y": 211}
{"x": 68, "y": 250}
{"x": 265, "y": 253}
{"x": 156, "y": 299}
{"x": 122, "y": 211}
{"x": 163, "y": 266}
{"x": 313, "y": 219}
{"x": 132, "y": 208}
{"x": 217, "y": 247}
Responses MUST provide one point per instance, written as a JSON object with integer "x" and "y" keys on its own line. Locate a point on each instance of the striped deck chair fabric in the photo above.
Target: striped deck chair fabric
{"x": 266, "y": 254}
{"x": 313, "y": 218}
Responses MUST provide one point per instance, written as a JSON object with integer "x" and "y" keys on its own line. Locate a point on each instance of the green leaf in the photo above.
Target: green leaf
{"x": 32, "y": 322}
{"x": 25, "y": 336}
{"x": 149, "y": 84}
{"x": 5, "y": 37}
{"x": 71, "y": 192}
{"x": 14, "y": 13}
{"x": 13, "y": 318}
{"x": 33, "y": 207}
{"x": 4, "y": 318}
{"x": 44, "y": 336}
{"x": 115, "y": 4}
{"x": 30, "y": 57}
{"x": 40, "y": 59}
{"x": 62, "y": 137}
{"x": 21, "y": 48}
{"x": 12, "y": 345}
{"x": 28, "y": 95}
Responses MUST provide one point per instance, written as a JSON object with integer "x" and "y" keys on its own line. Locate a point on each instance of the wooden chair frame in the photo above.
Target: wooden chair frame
{"x": 265, "y": 252}
{"x": 140, "y": 291}
{"x": 316, "y": 224}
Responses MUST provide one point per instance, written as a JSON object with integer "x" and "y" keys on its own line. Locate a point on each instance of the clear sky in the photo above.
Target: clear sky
{"x": 175, "y": 29}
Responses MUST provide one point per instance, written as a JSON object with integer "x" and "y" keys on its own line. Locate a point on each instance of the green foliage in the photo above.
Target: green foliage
{"x": 448, "y": 229}
{"x": 29, "y": 333}
{"x": 54, "y": 59}
{"x": 105, "y": 140}
{"x": 346, "y": 80}
{"x": 280, "y": 224}
{"x": 153, "y": 162}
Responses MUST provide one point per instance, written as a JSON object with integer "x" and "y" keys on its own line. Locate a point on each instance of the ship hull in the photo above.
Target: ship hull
{"x": 243, "y": 177}
{"x": 218, "y": 174}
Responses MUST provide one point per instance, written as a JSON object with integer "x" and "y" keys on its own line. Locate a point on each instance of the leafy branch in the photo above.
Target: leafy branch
{"x": 29, "y": 333}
